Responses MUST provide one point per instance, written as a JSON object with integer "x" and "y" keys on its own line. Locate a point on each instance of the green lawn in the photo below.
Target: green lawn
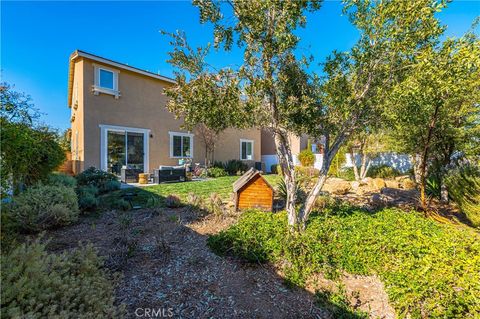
{"x": 150, "y": 196}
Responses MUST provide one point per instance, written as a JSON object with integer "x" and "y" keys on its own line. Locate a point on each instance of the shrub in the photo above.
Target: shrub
{"x": 44, "y": 206}
{"x": 172, "y": 201}
{"x": 463, "y": 184}
{"x": 306, "y": 158}
{"x": 36, "y": 284}
{"x": 216, "y": 206}
{"x": 194, "y": 200}
{"x": 235, "y": 167}
{"x": 429, "y": 270}
{"x": 28, "y": 154}
{"x": 346, "y": 173}
{"x": 103, "y": 181}
{"x": 87, "y": 199}
{"x": 62, "y": 179}
{"x": 382, "y": 171}
{"x": 216, "y": 172}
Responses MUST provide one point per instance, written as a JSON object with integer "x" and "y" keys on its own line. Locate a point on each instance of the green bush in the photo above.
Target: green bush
{"x": 463, "y": 184}
{"x": 44, "y": 206}
{"x": 36, "y": 284}
{"x": 104, "y": 181}
{"x": 306, "y": 158}
{"x": 346, "y": 173}
{"x": 172, "y": 201}
{"x": 382, "y": 171}
{"x": 429, "y": 270}
{"x": 28, "y": 154}
{"x": 62, "y": 179}
{"x": 87, "y": 197}
{"x": 235, "y": 167}
{"x": 216, "y": 172}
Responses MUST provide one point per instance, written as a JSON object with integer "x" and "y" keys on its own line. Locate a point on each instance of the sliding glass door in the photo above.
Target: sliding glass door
{"x": 124, "y": 148}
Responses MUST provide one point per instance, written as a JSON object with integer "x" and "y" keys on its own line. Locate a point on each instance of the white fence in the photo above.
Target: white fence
{"x": 400, "y": 162}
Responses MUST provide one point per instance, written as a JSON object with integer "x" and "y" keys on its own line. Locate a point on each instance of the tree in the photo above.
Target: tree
{"x": 28, "y": 153}
{"x": 368, "y": 145}
{"x": 435, "y": 109}
{"x": 17, "y": 106}
{"x": 272, "y": 90}
{"x": 209, "y": 138}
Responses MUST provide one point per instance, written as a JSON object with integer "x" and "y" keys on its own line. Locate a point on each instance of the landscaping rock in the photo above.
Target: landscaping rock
{"x": 408, "y": 184}
{"x": 378, "y": 183}
{"x": 392, "y": 184}
{"x": 337, "y": 186}
{"x": 355, "y": 185}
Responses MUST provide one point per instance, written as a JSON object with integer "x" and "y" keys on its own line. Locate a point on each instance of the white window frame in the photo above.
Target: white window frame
{"x": 97, "y": 89}
{"x": 172, "y": 134}
{"x": 104, "y": 129}
{"x": 253, "y": 149}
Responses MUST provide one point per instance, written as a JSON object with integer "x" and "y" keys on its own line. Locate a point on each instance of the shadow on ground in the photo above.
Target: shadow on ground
{"x": 165, "y": 264}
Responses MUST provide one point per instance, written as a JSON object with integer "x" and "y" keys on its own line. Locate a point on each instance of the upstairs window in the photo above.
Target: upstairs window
{"x": 106, "y": 81}
{"x": 181, "y": 145}
{"x": 246, "y": 150}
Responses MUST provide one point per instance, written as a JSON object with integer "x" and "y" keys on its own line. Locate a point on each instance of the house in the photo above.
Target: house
{"x": 119, "y": 118}
{"x": 297, "y": 144}
{"x": 253, "y": 191}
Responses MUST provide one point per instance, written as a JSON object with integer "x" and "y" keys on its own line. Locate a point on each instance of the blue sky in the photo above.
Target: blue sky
{"x": 38, "y": 37}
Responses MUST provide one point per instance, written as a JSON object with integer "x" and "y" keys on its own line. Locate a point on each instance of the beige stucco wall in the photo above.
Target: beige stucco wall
{"x": 297, "y": 143}
{"x": 77, "y": 115}
{"x": 142, "y": 105}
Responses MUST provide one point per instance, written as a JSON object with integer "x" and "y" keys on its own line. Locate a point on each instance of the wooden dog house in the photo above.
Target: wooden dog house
{"x": 253, "y": 191}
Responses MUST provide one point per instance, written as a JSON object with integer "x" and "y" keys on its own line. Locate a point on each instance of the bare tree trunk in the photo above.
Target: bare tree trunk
{"x": 285, "y": 160}
{"x": 423, "y": 166}
{"x": 355, "y": 168}
{"x": 329, "y": 154}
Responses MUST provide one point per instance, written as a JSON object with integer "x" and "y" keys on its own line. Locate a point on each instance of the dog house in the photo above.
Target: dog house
{"x": 253, "y": 191}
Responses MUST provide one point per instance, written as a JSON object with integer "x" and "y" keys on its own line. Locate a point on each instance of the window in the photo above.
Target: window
{"x": 181, "y": 144}
{"x": 106, "y": 81}
{"x": 246, "y": 150}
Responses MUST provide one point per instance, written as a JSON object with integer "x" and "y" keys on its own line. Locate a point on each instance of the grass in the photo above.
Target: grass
{"x": 429, "y": 270}
{"x": 151, "y": 196}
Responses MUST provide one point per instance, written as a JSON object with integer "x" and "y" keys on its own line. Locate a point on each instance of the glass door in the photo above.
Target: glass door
{"x": 135, "y": 153}
{"x": 124, "y": 149}
{"x": 115, "y": 151}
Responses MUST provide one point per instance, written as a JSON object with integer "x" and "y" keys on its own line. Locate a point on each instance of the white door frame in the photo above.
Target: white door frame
{"x": 104, "y": 129}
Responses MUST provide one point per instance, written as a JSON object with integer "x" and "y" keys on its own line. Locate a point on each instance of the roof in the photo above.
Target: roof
{"x": 78, "y": 53}
{"x": 249, "y": 175}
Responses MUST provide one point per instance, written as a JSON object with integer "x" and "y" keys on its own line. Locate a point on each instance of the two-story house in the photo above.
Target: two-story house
{"x": 119, "y": 118}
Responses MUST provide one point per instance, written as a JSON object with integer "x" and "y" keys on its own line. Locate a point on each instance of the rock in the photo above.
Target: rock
{"x": 392, "y": 184}
{"x": 376, "y": 184}
{"x": 337, "y": 187}
{"x": 402, "y": 178}
{"x": 378, "y": 200}
{"x": 408, "y": 184}
{"x": 355, "y": 185}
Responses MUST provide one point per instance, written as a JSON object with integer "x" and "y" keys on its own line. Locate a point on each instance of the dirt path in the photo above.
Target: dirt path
{"x": 166, "y": 264}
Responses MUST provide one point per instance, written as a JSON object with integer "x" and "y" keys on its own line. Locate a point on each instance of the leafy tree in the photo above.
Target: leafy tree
{"x": 272, "y": 90}
{"x": 368, "y": 145}
{"x": 357, "y": 82}
{"x": 28, "y": 153}
{"x": 16, "y": 106}
{"x": 209, "y": 138}
{"x": 434, "y": 109}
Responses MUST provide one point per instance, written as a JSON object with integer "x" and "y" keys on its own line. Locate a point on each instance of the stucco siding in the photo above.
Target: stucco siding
{"x": 142, "y": 105}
